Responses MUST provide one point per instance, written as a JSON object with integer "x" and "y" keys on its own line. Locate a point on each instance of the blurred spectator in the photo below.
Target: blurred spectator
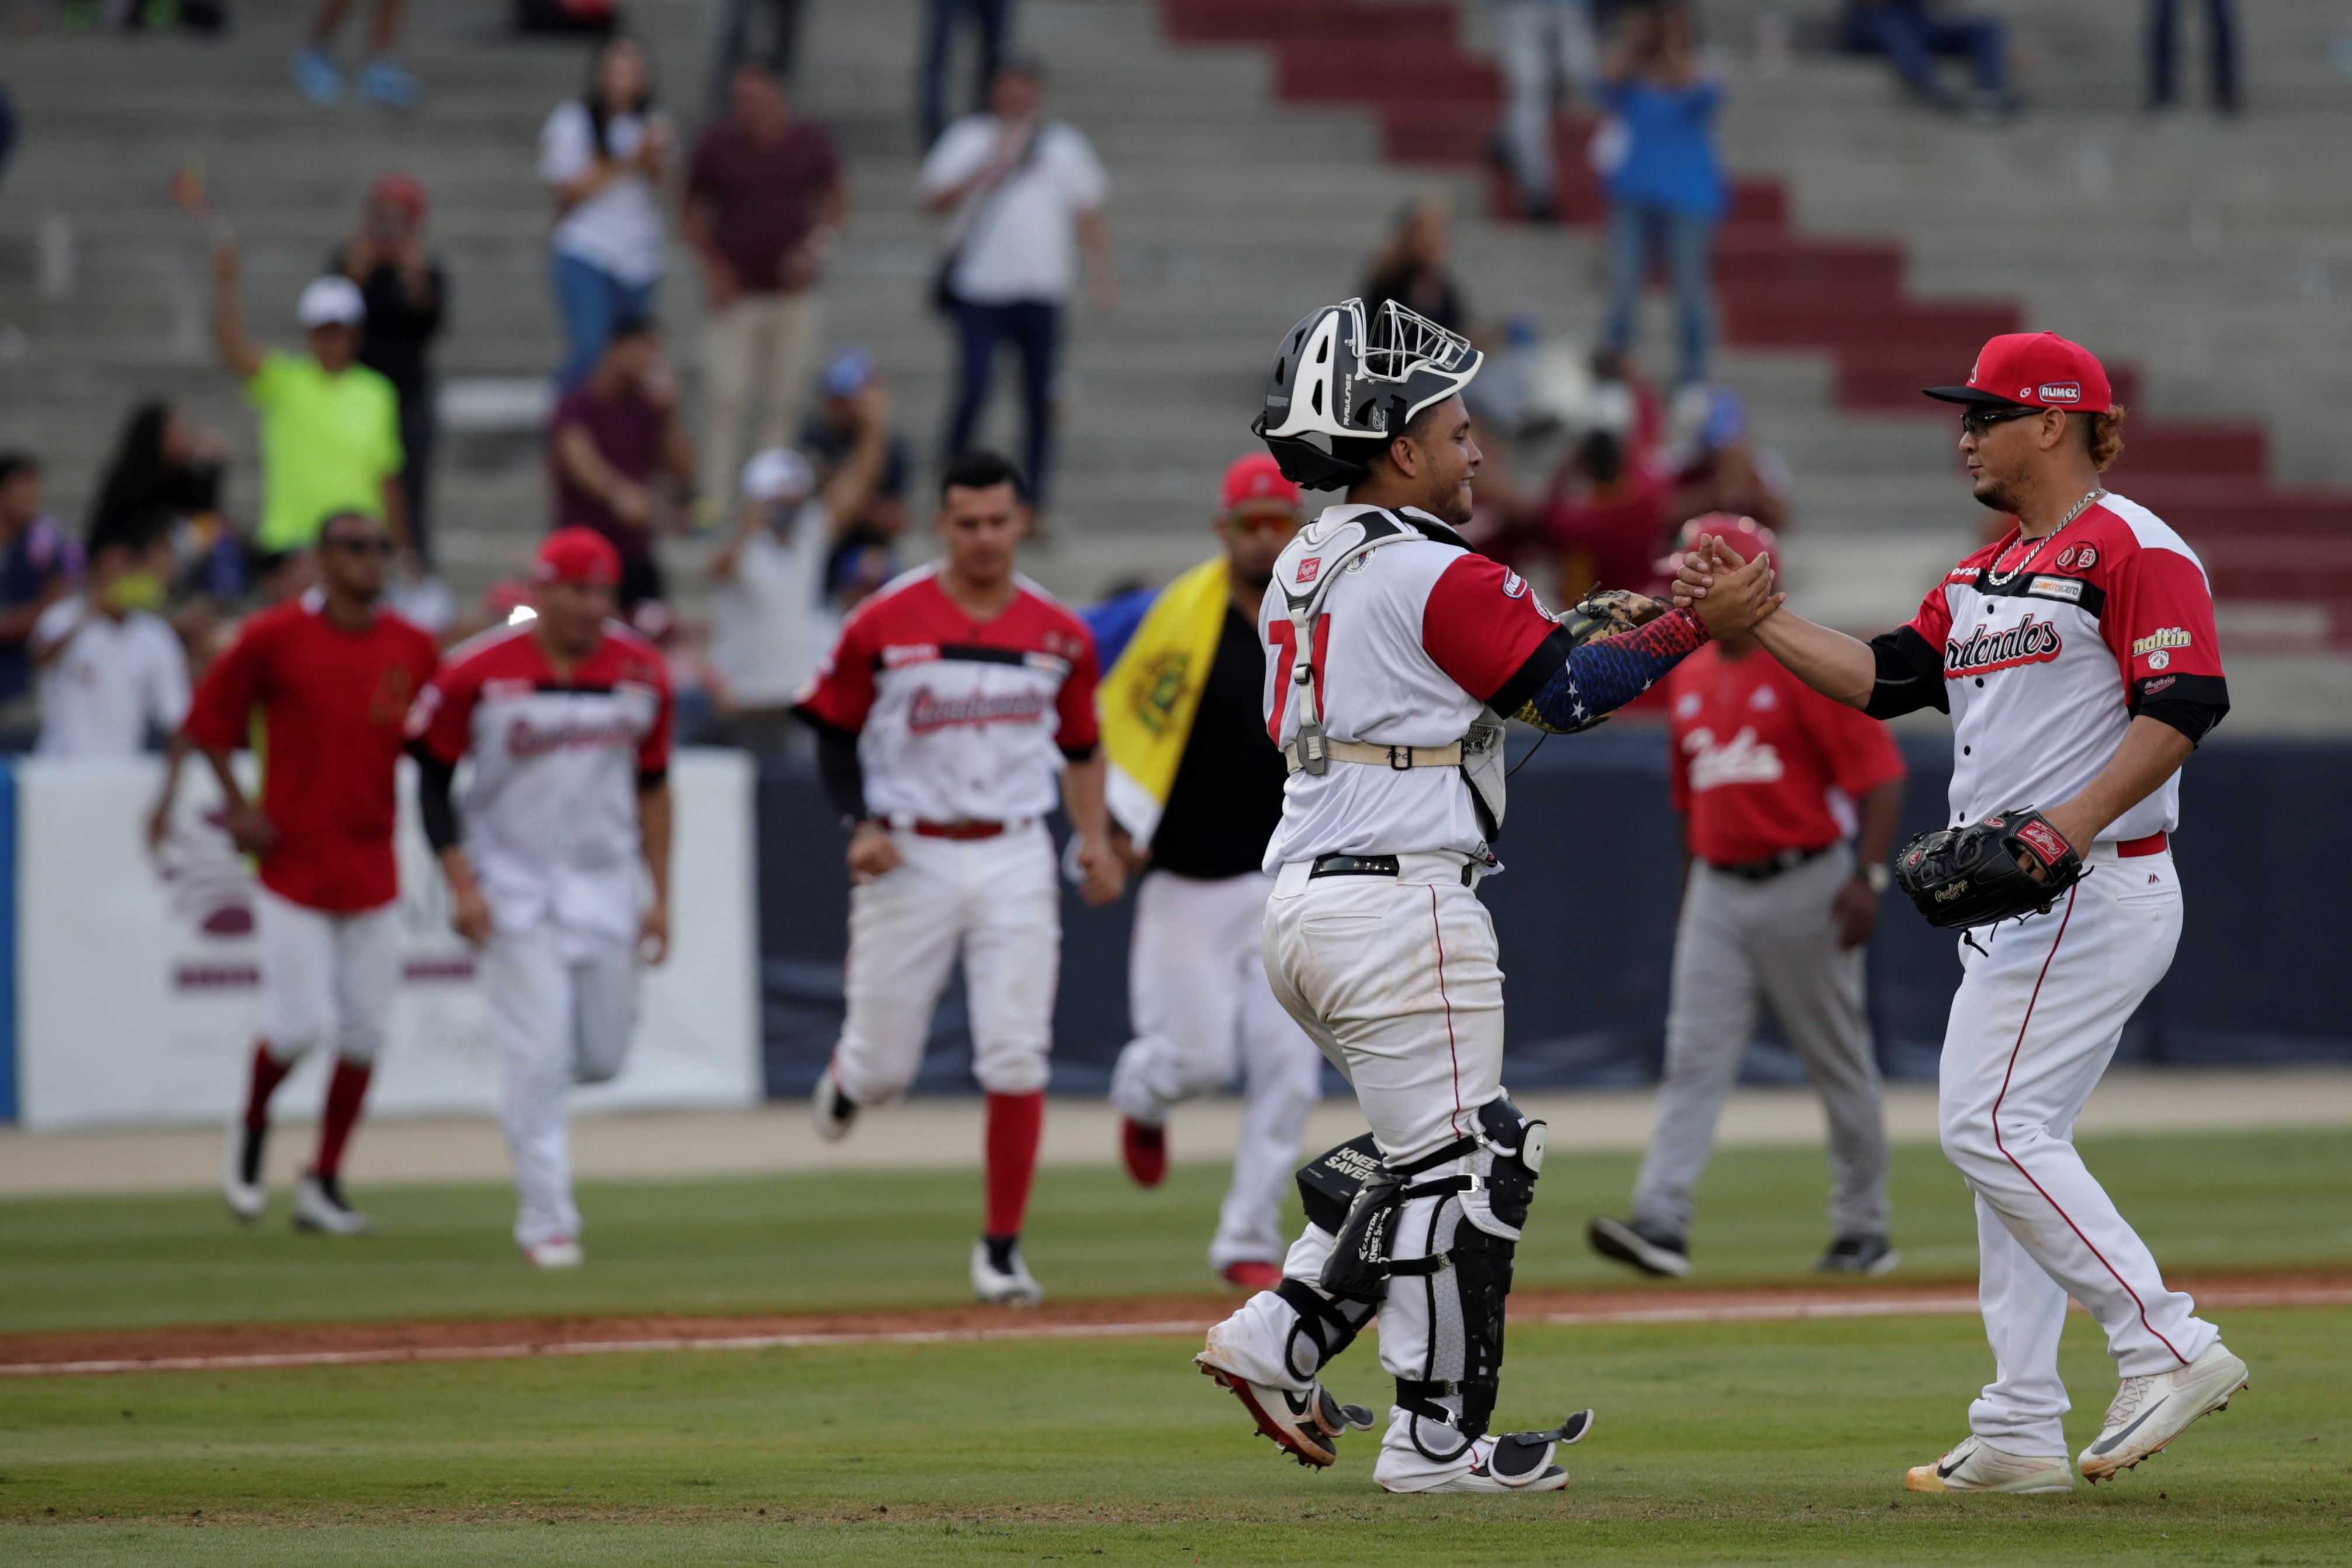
{"x": 567, "y": 17}
{"x": 1912, "y": 33}
{"x": 329, "y": 425}
{"x": 993, "y": 20}
{"x": 2221, "y": 52}
{"x": 771, "y": 621}
{"x": 1717, "y": 466}
{"x": 408, "y": 296}
{"x": 1606, "y": 517}
{"x": 777, "y": 54}
{"x": 603, "y": 153}
{"x": 1412, "y": 270}
{"x": 7, "y": 130}
{"x": 612, "y": 437}
{"x": 163, "y": 482}
{"x": 382, "y": 79}
{"x": 40, "y": 561}
{"x": 113, "y": 674}
{"x": 1621, "y": 398}
{"x": 1665, "y": 190}
{"x": 764, "y": 199}
{"x": 836, "y": 429}
{"x": 1548, "y": 57}
{"x": 1027, "y": 195}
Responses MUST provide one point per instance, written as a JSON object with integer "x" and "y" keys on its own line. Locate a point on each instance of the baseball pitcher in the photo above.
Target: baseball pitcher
{"x": 1395, "y": 654}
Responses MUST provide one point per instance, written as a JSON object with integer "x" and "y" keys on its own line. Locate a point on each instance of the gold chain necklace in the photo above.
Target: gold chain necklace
{"x": 1993, "y": 579}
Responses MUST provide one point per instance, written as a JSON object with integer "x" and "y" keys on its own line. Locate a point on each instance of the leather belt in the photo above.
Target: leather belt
{"x": 1372, "y": 865}
{"x": 2153, "y": 843}
{"x": 1401, "y": 758}
{"x": 1771, "y": 866}
{"x": 960, "y": 831}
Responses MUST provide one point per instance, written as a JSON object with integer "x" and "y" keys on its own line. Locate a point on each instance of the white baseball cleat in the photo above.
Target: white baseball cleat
{"x": 2151, "y": 1412}
{"x": 1014, "y": 1287}
{"x": 1516, "y": 1461}
{"x": 319, "y": 1205}
{"x": 557, "y": 1252}
{"x": 1306, "y": 1425}
{"x": 1976, "y": 1466}
{"x": 831, "y": 1110}
{"x": 240, "y": 1182}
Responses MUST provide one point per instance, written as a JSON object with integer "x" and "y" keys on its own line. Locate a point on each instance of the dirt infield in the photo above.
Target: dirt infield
{"x": 247, "y": 1347}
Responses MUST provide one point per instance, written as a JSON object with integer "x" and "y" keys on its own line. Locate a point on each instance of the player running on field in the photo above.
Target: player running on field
{"x": 1395, "y": 652}
{"x": 956, "y": 699}
{"x": 1195, "y": 786}
{"x": 558, "y": 855}
{"x": 319, "y": 686}
{"x": 2077, "y": 658}
{"x": 1768, "y": 778}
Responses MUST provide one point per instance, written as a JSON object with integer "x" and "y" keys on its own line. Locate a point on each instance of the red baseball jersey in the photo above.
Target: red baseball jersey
{"x": 1758, "y": 762}
{"x": 322, "y": 706}
{"x": 550, "y": 812}
{"x": 959, "y": 720}
{"x": 2049, "y": 648}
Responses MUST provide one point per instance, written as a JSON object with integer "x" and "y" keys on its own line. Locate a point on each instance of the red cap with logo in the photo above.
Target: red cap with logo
{"x": 578, "y": 555}
{"x": 1744, "y": 535}
{"x": 1254, "y": 483}
{"x": 2033, "y": 369}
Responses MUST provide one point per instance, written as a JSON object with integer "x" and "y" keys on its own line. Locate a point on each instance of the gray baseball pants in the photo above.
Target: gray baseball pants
{"x": 1738, "y": 943}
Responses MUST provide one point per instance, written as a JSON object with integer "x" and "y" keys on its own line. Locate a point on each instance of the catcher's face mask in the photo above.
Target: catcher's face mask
{"x": 1343, "y": 375}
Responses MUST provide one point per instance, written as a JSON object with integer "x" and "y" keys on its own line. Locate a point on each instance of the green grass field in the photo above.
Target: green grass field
{"x": 1754, "y": 1442}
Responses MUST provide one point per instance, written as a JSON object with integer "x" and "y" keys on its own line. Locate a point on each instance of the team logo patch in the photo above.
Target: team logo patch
{"x": 2166, "y": 636}
{"x": 2159, "y": 659}
{"x": 2060, "y": 392}
{"x": 2086, "y": 556}
{"x": 2030, "y": 641}
{"x": 2067, "y": 588}
{"x": 1514, "y": 586}
{"x": 1309, "y": 568}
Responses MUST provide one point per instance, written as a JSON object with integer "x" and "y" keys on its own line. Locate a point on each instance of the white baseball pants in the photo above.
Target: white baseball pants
{"x": 2033, "y": 1025}
{"x": 1396, "y": 979}
{"x": 325, "y": 978}
{"x": 994, "y": 900}
{"x": 561, "y": 1006}
{"x": 1204, "y": 1016}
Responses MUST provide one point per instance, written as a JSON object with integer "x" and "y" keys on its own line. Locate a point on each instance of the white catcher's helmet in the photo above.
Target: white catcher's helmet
{"x": 1355, "y": 383}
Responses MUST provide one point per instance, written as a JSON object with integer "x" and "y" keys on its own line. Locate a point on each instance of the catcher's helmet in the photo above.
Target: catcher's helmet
{"x": 1355, "y": 383}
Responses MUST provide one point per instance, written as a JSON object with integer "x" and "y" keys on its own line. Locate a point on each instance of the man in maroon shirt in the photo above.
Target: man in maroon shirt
{"x": 764, "y": 199}
{"x": 611, "y": 439}
{"x": 329, "y": 677}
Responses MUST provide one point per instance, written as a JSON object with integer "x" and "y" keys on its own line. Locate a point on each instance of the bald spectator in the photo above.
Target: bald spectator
{"x": 615, "y": 442}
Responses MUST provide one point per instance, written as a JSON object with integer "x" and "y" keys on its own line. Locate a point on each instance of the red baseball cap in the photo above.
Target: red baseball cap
{"x": 1744, "y": 535}
{"x": 578, "y": 554}
{"x": 2033, "y": 369}
{"x": 1254, "y": 483}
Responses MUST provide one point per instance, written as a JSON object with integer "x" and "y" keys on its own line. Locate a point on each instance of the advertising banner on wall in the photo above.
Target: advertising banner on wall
{"x": 138, "y": 985}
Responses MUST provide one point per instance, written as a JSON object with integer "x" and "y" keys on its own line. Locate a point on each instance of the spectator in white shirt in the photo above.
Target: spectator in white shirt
{"x": 603, "y": 153}
{"x": 112, "y": 673}
{"x": 1026, "y": 197}
{"x": 771, "y": 621}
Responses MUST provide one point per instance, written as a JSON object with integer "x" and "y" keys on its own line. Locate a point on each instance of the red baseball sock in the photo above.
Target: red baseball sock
{"x": 345, "y": 1091}
{"x": 268, "y": 1072}
{"x": 1015, "y": 1124}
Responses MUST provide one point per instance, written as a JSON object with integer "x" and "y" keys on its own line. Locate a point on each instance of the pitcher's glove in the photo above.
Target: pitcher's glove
{"x": 1972, "y": 876}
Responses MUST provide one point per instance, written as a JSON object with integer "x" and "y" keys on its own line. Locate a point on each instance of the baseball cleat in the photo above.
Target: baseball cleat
{"x": 1306, "y": 1425}
{"x": 1011, "y": 1285}
{"x": 556, "y": 1252}
{"x": 1870, "y": 1254}
{"x": 2151, "y": 1412}
{"x": 1650, "y": 1247}
{"x": 833, "y": 1109}
{"x": 1976, "y": 1466}
{"x": 1517, "y": 1461}
{"x": 1145, "y": 1149}
{"x": 1251, "y": 1274}
{"x": 241, "y": 1186}
{"x": 319, "y": 1205}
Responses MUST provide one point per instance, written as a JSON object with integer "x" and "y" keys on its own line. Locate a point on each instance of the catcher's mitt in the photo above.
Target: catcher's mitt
{"x": 1971, "y": 876}
{"x": 1604, "y": 613}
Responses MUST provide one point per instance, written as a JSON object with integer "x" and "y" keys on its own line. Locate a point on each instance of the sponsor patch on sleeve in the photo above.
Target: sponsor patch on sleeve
{"x": 2164, "y": 637}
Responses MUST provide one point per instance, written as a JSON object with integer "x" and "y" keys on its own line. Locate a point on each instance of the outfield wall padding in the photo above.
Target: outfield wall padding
{"x": 1586, "y": 914}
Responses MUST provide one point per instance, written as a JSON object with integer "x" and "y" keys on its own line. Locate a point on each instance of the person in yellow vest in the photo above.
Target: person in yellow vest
{"x": 1195, "y": 787}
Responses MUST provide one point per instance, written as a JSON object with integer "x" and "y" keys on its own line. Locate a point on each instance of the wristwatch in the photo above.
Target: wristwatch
{"x": 1877, "y": 876}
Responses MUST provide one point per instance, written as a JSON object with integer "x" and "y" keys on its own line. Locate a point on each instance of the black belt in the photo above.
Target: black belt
{"x": 1369, "y": 865}
{"x": 1771, "y": 866}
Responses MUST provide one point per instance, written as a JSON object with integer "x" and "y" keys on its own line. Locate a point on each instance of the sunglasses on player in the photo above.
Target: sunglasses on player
{"x": 1977, "y": 421}
{"x": 1275, "y": 519}
{"x": 371, "y": 544}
